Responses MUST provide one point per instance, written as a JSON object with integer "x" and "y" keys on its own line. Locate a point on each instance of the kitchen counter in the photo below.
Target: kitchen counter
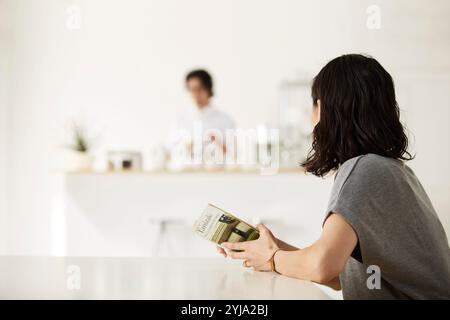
{"x": 144, "y": 278}
{"x": 151, "y": 214}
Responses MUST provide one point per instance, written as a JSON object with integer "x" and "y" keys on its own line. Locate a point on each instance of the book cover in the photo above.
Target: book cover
{"x": 219, "y": 226}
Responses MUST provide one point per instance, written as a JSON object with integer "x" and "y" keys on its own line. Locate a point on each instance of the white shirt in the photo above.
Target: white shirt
{"x": 194, "y": 124}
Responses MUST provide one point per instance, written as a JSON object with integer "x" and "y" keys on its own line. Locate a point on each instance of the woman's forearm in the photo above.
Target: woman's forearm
{"x": 325, "y": 259}
{"x": 334, "y": 283}
{"x": 285, "y": 246}
{"x": 307, "y": 264}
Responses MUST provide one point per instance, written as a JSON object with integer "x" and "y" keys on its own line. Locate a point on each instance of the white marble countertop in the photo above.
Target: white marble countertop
{"x": 144, "y": 278}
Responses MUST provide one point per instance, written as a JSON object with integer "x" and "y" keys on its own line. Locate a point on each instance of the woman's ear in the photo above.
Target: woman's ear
{"x": 315, "y": 116}
{"x": 318, "y": 110}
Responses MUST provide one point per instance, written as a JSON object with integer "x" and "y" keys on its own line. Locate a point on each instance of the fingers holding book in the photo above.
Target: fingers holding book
{"x": 221, "y": 251}
{"x": 240, "y": 255}
{"x": 256, "y": 253}
{"x": 235, "y": 246}
{"x": 238, "y": 239}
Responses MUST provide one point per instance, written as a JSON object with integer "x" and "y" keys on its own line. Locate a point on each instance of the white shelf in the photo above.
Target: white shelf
{"x": 297, "y": 170}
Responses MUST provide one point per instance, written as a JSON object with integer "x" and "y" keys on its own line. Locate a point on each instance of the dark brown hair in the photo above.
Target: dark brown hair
{"x": 204, "y": 77}
{"x": 358, "y": 114}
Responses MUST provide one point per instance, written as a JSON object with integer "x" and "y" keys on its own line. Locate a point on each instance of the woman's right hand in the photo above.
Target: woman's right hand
{"x": 281, "y": 244}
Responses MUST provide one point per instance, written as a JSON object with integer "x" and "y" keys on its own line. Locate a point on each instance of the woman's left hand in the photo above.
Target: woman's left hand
{"x": 256, "y": 253}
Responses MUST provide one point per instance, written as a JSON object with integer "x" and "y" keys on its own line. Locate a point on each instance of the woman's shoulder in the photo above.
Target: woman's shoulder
{"x": 369, "y": 166}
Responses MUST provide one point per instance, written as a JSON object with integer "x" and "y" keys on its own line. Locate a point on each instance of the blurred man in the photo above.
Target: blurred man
{"x": 203, "y": 125}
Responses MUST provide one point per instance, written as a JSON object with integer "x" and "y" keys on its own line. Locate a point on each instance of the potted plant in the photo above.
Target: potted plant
{"x": 79, "y": 157}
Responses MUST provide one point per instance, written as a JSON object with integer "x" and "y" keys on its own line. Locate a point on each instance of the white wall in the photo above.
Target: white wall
{"x": 4, "y": 63}
{"x": 123, "y": 72}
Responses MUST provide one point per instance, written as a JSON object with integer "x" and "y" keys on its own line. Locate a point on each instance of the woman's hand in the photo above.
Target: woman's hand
{"x": 221, "y": 251}
{"x": 256, "y": 253}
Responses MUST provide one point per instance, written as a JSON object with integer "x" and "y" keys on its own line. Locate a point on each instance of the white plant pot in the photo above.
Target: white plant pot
{"x": 79, "y": 161}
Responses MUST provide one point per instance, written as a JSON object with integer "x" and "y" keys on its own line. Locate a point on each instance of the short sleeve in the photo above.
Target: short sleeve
{"x": 353, "y": 198}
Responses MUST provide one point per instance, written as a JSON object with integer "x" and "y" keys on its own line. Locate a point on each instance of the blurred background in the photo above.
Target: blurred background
{"x": 116, "y": 68}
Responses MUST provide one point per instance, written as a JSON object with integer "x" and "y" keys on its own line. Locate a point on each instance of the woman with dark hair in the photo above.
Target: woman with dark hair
{"x": 381, "y": 237}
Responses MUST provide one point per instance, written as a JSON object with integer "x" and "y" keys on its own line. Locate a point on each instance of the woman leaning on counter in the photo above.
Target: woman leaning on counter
{"x": 379, "y": 217}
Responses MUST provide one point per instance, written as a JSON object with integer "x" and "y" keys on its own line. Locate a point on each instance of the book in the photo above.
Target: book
{"x": 219, "y": 226}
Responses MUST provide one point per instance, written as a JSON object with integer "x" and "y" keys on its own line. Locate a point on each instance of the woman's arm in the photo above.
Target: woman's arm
{"x": 322, "y": 262}
{"x": 333, "y": 283}
{"x": 281, "y": 244}
{"x": 325, "y": 259}
{"x": 285, "y": 246}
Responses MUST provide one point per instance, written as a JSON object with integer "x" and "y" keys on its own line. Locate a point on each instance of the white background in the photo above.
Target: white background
{"x": 122, "y": 72}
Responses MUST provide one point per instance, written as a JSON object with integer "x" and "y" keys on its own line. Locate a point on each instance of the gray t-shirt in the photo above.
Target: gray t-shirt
{"x": 398, "y": 231}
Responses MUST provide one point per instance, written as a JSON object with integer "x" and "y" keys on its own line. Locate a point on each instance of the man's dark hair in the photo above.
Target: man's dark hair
{"x": 204, "y": 77}
{"x": 359, "y": 114}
